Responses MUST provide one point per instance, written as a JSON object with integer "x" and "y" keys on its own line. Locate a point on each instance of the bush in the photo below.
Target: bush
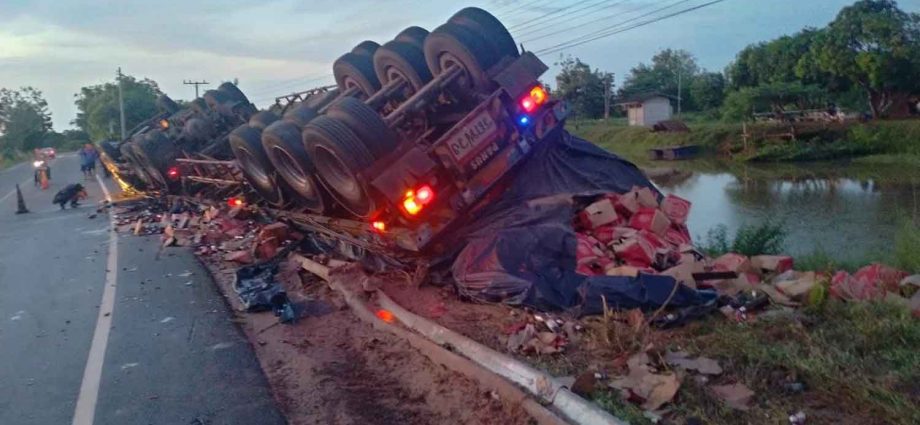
{"x": 766, "y": 238}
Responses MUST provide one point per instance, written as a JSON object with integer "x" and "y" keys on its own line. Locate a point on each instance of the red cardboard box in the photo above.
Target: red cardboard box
{"x": 772, "y": 263}
{"x": 732, "y": 262}
{"x": 598, "y": 214}
{"x": 676, "y": 209}
{"x": 635, "y": 252}
{"x": 650, "y": 219}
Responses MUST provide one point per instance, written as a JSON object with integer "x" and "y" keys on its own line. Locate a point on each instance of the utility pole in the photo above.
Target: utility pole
{"x": 606, "y": 98}
{"x": 121, "y": 104}
{"x": 679, "y": 97}
{"x": 196, "y": 84}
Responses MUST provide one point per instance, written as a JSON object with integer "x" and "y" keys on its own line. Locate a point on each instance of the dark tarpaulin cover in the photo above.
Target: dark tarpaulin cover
{"x": 521, "y": 249}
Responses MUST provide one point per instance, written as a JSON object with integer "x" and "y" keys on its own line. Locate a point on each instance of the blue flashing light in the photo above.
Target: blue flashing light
{"x": 523, "y": 120}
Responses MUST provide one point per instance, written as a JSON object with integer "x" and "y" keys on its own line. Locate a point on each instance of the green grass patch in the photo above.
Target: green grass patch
{"x": 856, "y": 361}
{"x": 764, "y": 238}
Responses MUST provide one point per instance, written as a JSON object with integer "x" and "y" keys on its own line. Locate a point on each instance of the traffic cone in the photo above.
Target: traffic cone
{"x": 21, "y": 202}
{"x": 44, "y": 180}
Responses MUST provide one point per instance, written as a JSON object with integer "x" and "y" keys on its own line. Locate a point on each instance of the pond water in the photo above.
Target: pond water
{"x": 849, "y": 211}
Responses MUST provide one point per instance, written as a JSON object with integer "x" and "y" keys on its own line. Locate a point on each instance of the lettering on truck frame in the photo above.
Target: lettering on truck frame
{"x": 472, "y": 135}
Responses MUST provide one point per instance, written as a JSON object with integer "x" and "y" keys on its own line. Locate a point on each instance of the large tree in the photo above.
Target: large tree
{"x": 668, "y": 69}
{"x": 24, "y": 119}
{"x": 874, "y": 45}
{"x": 707, "y": 90}
{"x": 582, "y": 87}
{"x": 97, "y": 106}
{"x": 775, "y": 61}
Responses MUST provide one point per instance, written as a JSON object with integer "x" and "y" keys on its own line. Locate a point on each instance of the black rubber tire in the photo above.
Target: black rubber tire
{"x": 197, "y": 130}
{"x": 128, "y": 156}
{"x": 454, "y": 43}
{"x": 339, "y": 156}
{"x": 366, "y": 48}
{"x": 262, "y": 119}
{"x": 300, "y": 115}
{"x": 233, "y": 92}
{"x": 366, "y": 124}
{"x": 199, "y": 105}
{"x": 165, "y": 104}
{"x": 356, "y": 70}
{"x": 415, "y": 35}
{"x": 489, "y": 27}
{"x": 283, "y": 146}
{"x": 320, "y": 100}
{"x": 215, "y": 99}
{"x": 402, "y": 59}
{"x": 157, "y": 154}
{"x": 246, "y": 144}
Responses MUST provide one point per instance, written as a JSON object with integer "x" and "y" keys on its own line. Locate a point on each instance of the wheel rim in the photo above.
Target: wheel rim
{"x": 341, "y": 180}
{"x": 447, "y": 60}
{"x": 253, "y": 168}
{"x": 294, "y": 173}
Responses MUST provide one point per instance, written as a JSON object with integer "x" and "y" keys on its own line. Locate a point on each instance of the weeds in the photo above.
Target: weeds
{"x": 765, "y": 238}
{"x": 907, "y": 247}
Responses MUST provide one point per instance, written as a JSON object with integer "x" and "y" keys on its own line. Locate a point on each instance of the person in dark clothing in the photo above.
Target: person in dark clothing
{"x": 72, "y": 194}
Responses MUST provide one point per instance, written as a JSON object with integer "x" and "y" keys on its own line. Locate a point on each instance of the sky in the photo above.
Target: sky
{"x": 274, "y": 47}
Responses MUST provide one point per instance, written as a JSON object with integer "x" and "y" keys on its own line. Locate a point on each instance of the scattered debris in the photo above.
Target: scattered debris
{"x": 644, "y": 386}
{"x": 703, "y": 365}
{"x": 736, "y": 396}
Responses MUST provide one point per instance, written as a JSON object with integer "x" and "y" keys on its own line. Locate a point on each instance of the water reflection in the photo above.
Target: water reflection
{"x": 847, "y": 210}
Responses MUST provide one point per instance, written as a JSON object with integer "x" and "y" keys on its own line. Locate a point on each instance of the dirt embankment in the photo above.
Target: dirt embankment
{"x": 332, "y": 368}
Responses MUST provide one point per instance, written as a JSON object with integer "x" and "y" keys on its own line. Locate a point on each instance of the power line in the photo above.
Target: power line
{"x": 520, "y": 7}
{"x": 553, "y": 12}
{"x": 601, "y": 19}
{"x": 278, "y": 85}
{"x": 582, "y": 24}
{"x": 613, "y": 30}
{"x": 538, "y": 22}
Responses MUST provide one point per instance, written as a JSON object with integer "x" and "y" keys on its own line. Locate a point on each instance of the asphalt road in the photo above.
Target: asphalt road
{"x": 170, "y": 352}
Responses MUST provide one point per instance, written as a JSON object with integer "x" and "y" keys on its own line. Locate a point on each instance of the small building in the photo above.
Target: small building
{"x": 648, "y": 109}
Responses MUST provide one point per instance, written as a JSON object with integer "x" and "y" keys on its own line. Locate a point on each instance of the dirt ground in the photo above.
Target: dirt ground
{"x": 332, "y": 368}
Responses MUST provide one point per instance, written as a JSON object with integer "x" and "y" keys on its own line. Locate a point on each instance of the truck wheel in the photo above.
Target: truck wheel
{"x": 339, "y": 157}
{"x": 366, "y": 48}
{"x": 233, "y": 92}
{"x": 372, "y": 132}
{"x": 456, "y": 45}
{"x": 401, "y": 59}
{"x": 489, "y": 27}
{"x": 157, "y": 153}
{"x": 283, "y": 146}
{"x": 246, "y": 144}
{"x": 128, "y": 155}
{"x": 199, "y": 105}
{"x": 356, "y": 70}
{"x": 300, "y": 115}
{"x": 165, "y": 104}
{"x": 414, "y": 35}
{"x": 197, "y": 130}
{"x": 263, "y": 119}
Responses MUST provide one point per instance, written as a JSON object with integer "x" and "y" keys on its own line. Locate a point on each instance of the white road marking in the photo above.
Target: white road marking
{"x": 85, "y": 412}
{"x": 129, "y": 365}
{"x": 221, "y": 346}
{"x": 168, "y": 319}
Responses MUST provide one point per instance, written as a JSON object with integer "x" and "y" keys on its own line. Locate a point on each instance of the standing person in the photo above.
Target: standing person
{"x": 88, "y": 158}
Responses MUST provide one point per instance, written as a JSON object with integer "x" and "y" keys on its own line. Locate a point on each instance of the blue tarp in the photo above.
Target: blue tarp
{"x": 521, "y": 249}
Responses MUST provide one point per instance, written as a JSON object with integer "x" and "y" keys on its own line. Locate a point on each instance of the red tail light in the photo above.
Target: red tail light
{"x": 536, "y": 97}
{"x": 379, "y": 226}
{"x": 235, "y": 202}
{"x": 173, "y": 173}
{"x": 417, "y": 199}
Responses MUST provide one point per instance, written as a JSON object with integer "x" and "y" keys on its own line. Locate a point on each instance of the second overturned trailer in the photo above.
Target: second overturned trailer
{"x": 415, "y": 135}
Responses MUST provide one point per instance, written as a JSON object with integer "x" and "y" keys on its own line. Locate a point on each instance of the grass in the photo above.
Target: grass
{"x": 765, "y": 238}
{"x": 7, "y": 160}
{"x": 857, "y": 361}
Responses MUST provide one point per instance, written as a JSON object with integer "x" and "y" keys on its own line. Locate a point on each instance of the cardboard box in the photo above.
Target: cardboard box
{"x": 635, "y": 252}
{"x": 732, "y": 262}
{"x": 627, "y": 204}
{"x": 646, "y": 197}
{"x": 676, "y": 208}
{"x": 650, "y": 219}
{"x": 614, "y": 270}
{"x": 772, "y": 263}
{"x": 598, "y": 214}
{"x": 683, "y": 272}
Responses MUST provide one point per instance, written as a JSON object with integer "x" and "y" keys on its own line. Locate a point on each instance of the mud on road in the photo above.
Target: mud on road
{"x": 332, "y": 368}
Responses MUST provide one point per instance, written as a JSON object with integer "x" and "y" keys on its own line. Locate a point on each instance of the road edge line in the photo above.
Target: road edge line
{"x": 85, "y": 410}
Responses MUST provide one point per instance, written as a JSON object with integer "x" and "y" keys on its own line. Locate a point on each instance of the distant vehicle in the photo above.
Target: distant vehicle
{"x": 49, "y": 153}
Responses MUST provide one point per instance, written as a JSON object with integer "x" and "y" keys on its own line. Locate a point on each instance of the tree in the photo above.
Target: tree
{"x": 776, "y": 61}
{"x": 874, "y": 45}
{"x": 97, "y": 106}
{"x": 582, "y": 87}
{"x": 668, "y": 68}
{"x": 772, "y": 97}
{"x": 707, "y": 90}
{"x": 24, "y": 119}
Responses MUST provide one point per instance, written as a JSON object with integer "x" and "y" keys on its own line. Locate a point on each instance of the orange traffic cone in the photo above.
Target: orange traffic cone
{"x": 44, "y": 179}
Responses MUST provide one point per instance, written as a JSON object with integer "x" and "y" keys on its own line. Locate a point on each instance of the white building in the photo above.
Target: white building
{"x": 648, "y": 109}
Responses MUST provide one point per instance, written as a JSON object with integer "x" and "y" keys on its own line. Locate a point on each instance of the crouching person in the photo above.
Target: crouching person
{"x": 72, "y": 194}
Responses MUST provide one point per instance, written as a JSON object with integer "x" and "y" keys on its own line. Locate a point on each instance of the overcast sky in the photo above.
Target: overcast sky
{"x": 278, "y": 46}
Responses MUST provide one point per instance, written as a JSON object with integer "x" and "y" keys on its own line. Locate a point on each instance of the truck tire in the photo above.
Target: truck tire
{"x": 456, "y": 45}
{"x": 233, "y": 92}
{"x": 320, "y": 100}
{"x": 401, "y": 59}
{"x": 157, "y": 154}
{"x": 246, "y": 144}
{"x": 165, "y": 104}
{"x": 262, "y": 119}
{"x": 199, "y": 105}
{"x": 356, "y": 70}
{"x": 489, "y": 27}
{"x": 340, "y": 157}
{"x": 366, "y": 124}
{"x": 300, "y": 115}
{"x": 366, "y": 48}
{"x": 197, "y": 130}
{"x": 414, "y": 35}
{"x": 128, "y": 155}
{"x": 283, "y": 146}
